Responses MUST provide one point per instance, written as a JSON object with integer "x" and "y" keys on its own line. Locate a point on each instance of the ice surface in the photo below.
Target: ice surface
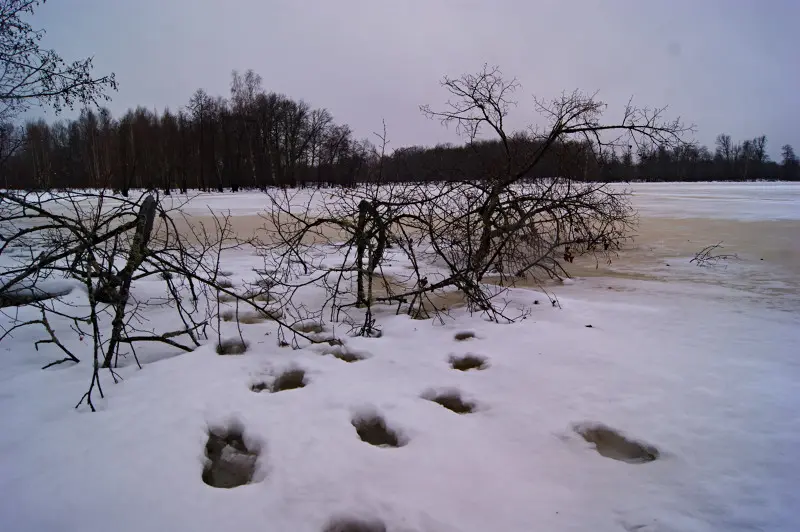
{"x": 730, "y": 201}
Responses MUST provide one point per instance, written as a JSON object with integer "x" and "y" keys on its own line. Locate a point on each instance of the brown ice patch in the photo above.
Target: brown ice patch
{"x": 244, "y": 227}
{"x": 388, "y": 285}
{"x": 656, "y": 243}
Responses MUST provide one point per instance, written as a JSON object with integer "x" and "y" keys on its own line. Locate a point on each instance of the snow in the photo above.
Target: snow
{"x": 722, "y": 201}
{"x": 708, "y": 377}
{"x": 726, "y": 201}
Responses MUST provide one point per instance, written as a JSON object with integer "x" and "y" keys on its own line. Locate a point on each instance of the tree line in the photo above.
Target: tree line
{"x": 259, "y": 139}
{"x": 252, "y": 139}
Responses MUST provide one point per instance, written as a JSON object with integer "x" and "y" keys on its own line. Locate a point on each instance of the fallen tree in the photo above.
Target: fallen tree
{"x": 499, "y": 226}
{"x": 102, "y": 245}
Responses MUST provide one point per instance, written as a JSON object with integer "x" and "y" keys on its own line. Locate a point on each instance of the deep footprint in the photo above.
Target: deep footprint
{"x": 259, "y": 387}
{"x": 290, "y": 379}
{"x": 230, "y": 462}
{"x": 468, "y": 362}
{"x": 348, "y": 524}
{"x": 234, "y": 346}
{"x": 451, "y": 400}
{"x": 371, "y": 428}
{"x": 343, "y": 353}
{"x": 612, "y": 444}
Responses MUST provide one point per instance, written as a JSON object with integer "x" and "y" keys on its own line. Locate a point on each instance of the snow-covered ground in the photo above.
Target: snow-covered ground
{"x": 707, "y": 372}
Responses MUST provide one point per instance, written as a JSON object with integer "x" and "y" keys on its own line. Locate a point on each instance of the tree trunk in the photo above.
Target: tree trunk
{"x": 147, "y": 214}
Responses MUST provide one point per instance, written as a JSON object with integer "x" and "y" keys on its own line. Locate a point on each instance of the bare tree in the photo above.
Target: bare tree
{"x": 11, "y": 139}
{"x": 712, "y": 256}
{"x": 31, "y": 74}
{"x": 724, "y": 148}
{"x": 107, "y": 247}
{"x": 513, "y": 225}
{"x": 471, "y": 233}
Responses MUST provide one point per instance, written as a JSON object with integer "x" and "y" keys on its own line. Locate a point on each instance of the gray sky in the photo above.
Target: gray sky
{"x": 725, "y": 65}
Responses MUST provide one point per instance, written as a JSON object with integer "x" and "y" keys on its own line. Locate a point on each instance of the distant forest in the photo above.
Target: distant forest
{"x": 256, "y": 139}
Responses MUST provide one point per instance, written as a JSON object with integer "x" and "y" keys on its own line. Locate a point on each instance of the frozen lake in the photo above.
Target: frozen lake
{"x": 758, "y": 222}
{"x": 722, "y": 201}
{"x": 725, "y": 201}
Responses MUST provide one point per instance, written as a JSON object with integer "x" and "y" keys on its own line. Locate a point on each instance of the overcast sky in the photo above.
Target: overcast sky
{"x": 725, "y": 65}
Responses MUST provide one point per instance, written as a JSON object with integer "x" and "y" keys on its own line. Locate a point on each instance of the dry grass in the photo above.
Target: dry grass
{"x": 465, "y": 335}
{"x": 265, "y": 284}
{"x": 272, "y": 314}
{"x": 468, "y": 362}
{"x": 451, "y": 400}
{"x": 373, "y": 430}
{"x": 289, "y": 380}
{"x": 251, "y": 319}
{"x": 232, "y": 346}
{"x": 258, "y": 295}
